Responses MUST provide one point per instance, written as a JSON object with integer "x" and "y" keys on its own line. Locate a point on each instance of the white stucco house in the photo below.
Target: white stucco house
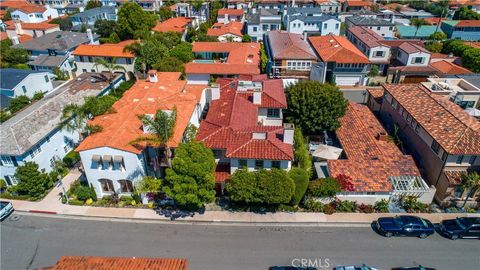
{"x": 34, "y": 13}
{"x": 310, "y": 21}
{"x": 260, "y": 21}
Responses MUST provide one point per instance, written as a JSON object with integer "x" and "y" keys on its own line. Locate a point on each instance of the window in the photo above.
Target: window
{"x": 255, "y": 29}
{"x": 7, "y": 161}
{"x": 35, "y": 151}
{"x": 258, "y": 164}
{"x": 417, "y": 127}
{"x": 13, "y": 179}
{"x": 435, "y": 146}
{"x": 265, "y": 27}
{"x": 24, "y": 89}
{"x": 276, "y": 164}
{"x": 459, "y": 159}
{"x": 273, "y": 27}
{"x": 106, "y": 184}
{"x": 242, "y": 163}
{"x": 92, "y": 70}
{"x": 418, "y": 60}
{"x": 379, "y": 54}
{"x": 444, "y": 156}
{"x": 273, "y": 113}
{"x": 126, "y": 186}
{"x": 472, "y": 160}
{"x": 325, "y": 26}
{"x": 378, "y": 28}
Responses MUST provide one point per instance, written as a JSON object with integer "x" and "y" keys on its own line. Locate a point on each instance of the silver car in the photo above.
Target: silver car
{"x": 6, "y": 208}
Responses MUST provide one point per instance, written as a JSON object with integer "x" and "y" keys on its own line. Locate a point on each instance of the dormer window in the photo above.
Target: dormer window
{"x": 418, "y": 60}
{"x": 273, "y": 113}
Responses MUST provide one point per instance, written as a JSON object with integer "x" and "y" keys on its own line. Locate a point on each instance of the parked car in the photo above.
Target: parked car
{"x": 405, "y": 226}
{"x": 354, "y": 267}
{"x": 6, "y": 208}
{"x": 464, "y": 227}
{"x": 291, "y": 268}
{"x": 413, "y": 268}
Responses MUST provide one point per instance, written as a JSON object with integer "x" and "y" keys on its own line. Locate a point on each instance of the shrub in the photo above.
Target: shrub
{"x": 410, "y": 204}
{"x": 38, "y": 96}
{"x": 18, "y": 103}
{"x": 302, "y": 157}
{"x": 32, "y": 181}
{"x": 313, "y": 205}
{"x": 366, "y": 208}
{"x": 83, "y": 193}
{"x": 126, "y": 199}
{"x": 326, "y": 187}
{"x": 381, "y": 206}
{"x": 328, "y": 209}
{"x": 89, "y": 201}
{"x": 75, "y": 202}
{"x": 286, "y": 208}
{"x": 3, "y": 184}
{"x": 300, "y": 178}
{"x": 345, "y": 206}
{"x": 71, "y": 159}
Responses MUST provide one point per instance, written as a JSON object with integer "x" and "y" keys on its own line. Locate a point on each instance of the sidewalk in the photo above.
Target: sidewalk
{"x": 52, "y": 204}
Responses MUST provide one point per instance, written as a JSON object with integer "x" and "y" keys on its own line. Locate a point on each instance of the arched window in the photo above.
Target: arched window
{"x": 126, "y": 185}
{"x": 107, "y": 185}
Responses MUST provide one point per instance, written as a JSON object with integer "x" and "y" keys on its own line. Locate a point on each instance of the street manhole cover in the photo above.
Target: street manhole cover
{"x": 14, "y": 217}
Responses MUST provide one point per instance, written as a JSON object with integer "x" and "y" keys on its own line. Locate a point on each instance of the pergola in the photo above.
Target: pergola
{"x": 408, "y": 186}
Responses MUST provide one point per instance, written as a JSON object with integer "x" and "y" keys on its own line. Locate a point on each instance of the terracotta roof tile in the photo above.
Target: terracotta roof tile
{"x": 25, "y": 7}
{"x": 231, "y": 12}
{"x": 177, "y": 24}
{"x": 3, "y": 35}
{"x": 359, "y": 3}
{"x": 468, "y": 23}
{"x": 410, "y": 47}
{"x": 337, "y": 49}
{"x": 10, "y": 25}
{"x": 113, "y": 263}
{"x": 475, "y": 44}
{"x": 455, "y": 130}
{"x": 367, "y": 36}
{"x": 286, "y": 45}
{"x": 123, "y": 126}
{"x": 449, "y": 68}
{"x": 106, "y": 50}
{"x": 220, "y": 29}
{"x": 370, "y": 159}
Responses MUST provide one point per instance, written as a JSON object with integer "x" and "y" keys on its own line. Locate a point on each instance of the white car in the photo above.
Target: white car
{"x": 6, "y": 208}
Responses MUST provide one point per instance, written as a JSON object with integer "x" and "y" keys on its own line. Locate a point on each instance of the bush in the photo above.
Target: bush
{"x": 326, "y": 187}
{"x": 328, "y": 209}
{"x": 345, "y": 206}
{"x": 3, "y": 184}
{"x": 32, "y": 181}
{"x": 18, "y": 103}
{"x": 381, "y": 206}
{"x": 38, "y": 96}
{"x": 71, "y": 159}
{"x": 126, "y": 199}
{"x": 89, "y": 201}
{"x": 366, "y": 208}
{"x": 286, "y": 208}
{"x": 300, "y": 178}
{"x": 410, "y": 204}
{"x": 313, "y": 205}
{"x": 75, "y": 202}
{"x": 302, "y": 156}
{"x": 83, "y": 193}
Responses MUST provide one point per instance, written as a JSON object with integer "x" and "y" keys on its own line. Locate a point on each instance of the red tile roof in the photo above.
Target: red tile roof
{"x": 455, "y": 130}
{"x": 243, "y": 58}
{"x": 10, "y": 25}
{"x": 370, "y": 160}
{"x": 177, "y": 24}
{"x": 3, "y": 35}
{"x": 231, "y": 12}
{"x": 475, "y": 44}
{"x": 24, "y": 7}
{"x": 105, "y": 50}
{"x": 114, "y": 263}
{"x": 124, "y": 126}
{"x": 359, "y": 3}
{"x": 337, "y": 49}
{"x": 468, "y": 23}
{"x": 220, "y": 29}
{"x": 410, "y": 47}
{"x": 449, "y": 68}
{"x": 232, "y": 120}
{"x": 287, "y": 45}
{"x": 24, "y": 38}
{"x": 434, "y": 21}
{"x": 397, "y": 42}
{"x": 367, "y": 36}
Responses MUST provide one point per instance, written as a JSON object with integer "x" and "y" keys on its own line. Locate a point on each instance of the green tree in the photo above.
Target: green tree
{"x": 466, "y": 13}
{"x": 38, "y": 95}
{"x": 373, "y": 71}
{"x": 105, "y": 28}
{"x": 111, "y": 66}
{"x": 3, "y": 184}
{"x": 183, "y": 52}
{"x": 165, "y": 13}
{"x": 314, "y": 106}
{"x": 434, "y": 46}
{"x": 93, "y": 4}
{"x": 417, "y": 23}
{"x": 161, "y": 128}
{"x": 9, "y": 56}
{"x": 18, "y": 103}
{"x": 170, "y": 39}
{"x": 470, "y": 182}
{"x": 263, "y": 59}
{"x": 169, "y": 64}
{"x": 455, "y": 46}
{"x": 65, "y": 24}
{"x": 326, "y": 187}
{"x": 7, "y": 16}
{"x": 31, "y": 181}
{"x": 113, "y": 38}
{"x": 190, "y": 133}
{"x": 191, "y": 180}
{"x": 301, "y": 178}
{"x": 4, "y": 115}
{"x": 302, "y": 157}
{"x": 149, "y": 184}
{"x": 265, "y": 186}
{"x": 149, "y": 51}
{"x": 471, "y": 59}
{"x": 133, "y": 21}
{"x": 439, "y": 36}
{"x": 246, "y": 38}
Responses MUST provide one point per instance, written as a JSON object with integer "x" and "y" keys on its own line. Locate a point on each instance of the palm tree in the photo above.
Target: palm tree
{"x": 73, "y": 118}
{"x": 161, "y": 129}
{"x": 417, "y": 23}
{"x": 471, "y": 182}
{"x": 111, "y": 66}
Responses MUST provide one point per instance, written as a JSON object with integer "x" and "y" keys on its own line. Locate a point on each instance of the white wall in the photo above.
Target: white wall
{"x": 33, "y": 83}
{"x": 89, "y": 66}
{"x": 134, "y": 169}
{"x": 386, "y": 57}
{"x": 412, "y": 56}
{"x": 198, "y": 78}
{"x": 224, "y": 38}
{"x": 384, "y": 31}
{"x": 332, "y": 26}
{"x": 267, "y": 164}
{"x": 262, "y": 117}
{"x": 50, "y": 13}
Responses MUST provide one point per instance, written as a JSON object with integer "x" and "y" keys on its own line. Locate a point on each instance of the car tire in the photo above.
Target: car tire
{"x": 454, "y": 237}
{"x": 423, "y": 235}
{"x": 388, "y": 234}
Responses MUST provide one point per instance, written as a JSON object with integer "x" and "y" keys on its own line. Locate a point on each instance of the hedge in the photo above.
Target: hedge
{"x": 71, "y": 159}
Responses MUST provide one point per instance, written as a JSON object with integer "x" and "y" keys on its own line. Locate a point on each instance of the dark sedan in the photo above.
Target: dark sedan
{"x": 405, "y": 226}
{"x": 413, "y": 268}
{"x": 465, "y": 227}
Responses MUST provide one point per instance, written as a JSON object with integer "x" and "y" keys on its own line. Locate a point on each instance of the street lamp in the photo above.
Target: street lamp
{"x": 60, "y": 184}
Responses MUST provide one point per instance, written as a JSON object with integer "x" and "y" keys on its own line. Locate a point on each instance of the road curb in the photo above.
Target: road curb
{"x": 41, "y": 212}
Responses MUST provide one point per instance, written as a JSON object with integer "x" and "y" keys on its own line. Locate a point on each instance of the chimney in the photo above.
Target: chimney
{"x": 215, "y": 91}
{"x": 382, "y": 136}
{"x": 90, "y": 36}
{"x": 305, "y": 35}
{"x": 257, "y": 96}
{"x": 259, "y": 135}
{"x": 15, "y": 40}
{"x": 225, "y": 19}
{"x": 152, "y": 76}
{"x": 289, "y": 128}
{"x": 18, "y": 27}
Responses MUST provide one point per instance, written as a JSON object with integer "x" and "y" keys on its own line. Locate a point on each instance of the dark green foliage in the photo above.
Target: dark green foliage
{"x": 64, "y": 23}
{"x": 169, "y": 64}
{"x": 60, "y": 75}
{"x": 105, "y": 28}
{"x": 149, "y": 51}
{"x": 301, "y": 178}
{"x": 93, "y": 4}
{"x": 455, "y": 46}
{"x": 373, "y": 71}
{"x": 326, "y": 187}
{"x": 3, "y": 184}
{"x": 313, "y": 205}
{"x": 191, "y": 180}
{"x": 83, "y": 193}
{"x": 75, "y": 202}
{"x": 38, "y": 96}
{"x": 165, "y": 13}
{"x": 133, "y": 22}
{"x": 124, "y": 86}
{"x": 381, "y": 206}
{"x": 114, "y": 38}
{"x": 32, "y": 182}
{"x": 263, "y": 59}
{"x": 465, "y": 13}
{"x": 471, "y": 59}
{"x": 345, "y": 206}
{"x": 411, "y": 204}
{"x": 7, "y": 16}
{"x": 286, "y": 208}
{"x": 314, "y": 106}
{"x": 12, "y": 56}
{"x": 265, "y": 186}
{"x": 98, "y": 105}
{"x": 438, "y": 36}
{"x": 169, "y": 39}
{"x": 246, "y": 38}
{"x": 183, "y": 52}
{"x": 71, "y": 159}
{"x": 4, "y": 115}
{"x": 302, "y": 157}
{"x": 18, "y": 103}
{"x": 434, "y": 46}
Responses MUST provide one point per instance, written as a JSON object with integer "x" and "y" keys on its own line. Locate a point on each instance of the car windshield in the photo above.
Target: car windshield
{"x": 461, "y": 224}
{"x": 3, "y": 205}
{"x": 424, "y": 223}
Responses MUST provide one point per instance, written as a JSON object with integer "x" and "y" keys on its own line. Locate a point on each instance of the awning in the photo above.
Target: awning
{"x": 473, "y": 112}
{"x": 117, "y": 159}
{"x": 107, "y": 158}
{"x": 96, "y": 158}
{"x": 324, "y": 151}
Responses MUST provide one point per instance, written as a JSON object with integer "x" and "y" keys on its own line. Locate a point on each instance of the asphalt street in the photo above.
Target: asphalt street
{"x": 35, "y": 241}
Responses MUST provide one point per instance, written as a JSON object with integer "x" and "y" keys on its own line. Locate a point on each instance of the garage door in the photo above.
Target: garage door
{"x": 347, "y": 80}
